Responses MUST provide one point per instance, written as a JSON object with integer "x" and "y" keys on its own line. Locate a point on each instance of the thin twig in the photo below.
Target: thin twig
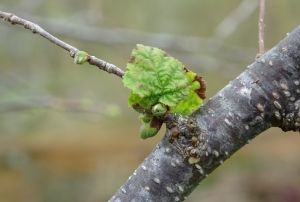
{"x": 101, "y": 64}
{"x": 261, "y": 28}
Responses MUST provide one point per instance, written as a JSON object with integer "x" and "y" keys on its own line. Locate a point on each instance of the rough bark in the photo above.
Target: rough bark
{"x": 265, "y": 95}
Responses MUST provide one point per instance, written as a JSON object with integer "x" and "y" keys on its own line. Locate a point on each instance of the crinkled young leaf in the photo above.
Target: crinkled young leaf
{"x": 154, "y": 77}
{"x": 188, "y": 105}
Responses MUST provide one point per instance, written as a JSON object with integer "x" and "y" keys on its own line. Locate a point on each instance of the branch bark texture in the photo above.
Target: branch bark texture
{"x": 266, "y": 94}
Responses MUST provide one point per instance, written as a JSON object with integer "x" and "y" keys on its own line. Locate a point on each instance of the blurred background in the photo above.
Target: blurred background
{"x": 66, "y": 132}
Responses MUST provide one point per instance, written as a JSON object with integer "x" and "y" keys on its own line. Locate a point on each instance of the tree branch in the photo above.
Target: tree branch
{"x": 266, "y": 94}
{"x": 101, "y": 64}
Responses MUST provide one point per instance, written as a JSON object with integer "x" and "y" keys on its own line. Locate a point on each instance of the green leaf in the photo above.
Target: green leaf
{"x": 160, "y": 83}
{"x": 147, "y": 131}
{"x": 154, "y": 77}
{"x": 188, "y": 105}
{"x": 81, "y": 57}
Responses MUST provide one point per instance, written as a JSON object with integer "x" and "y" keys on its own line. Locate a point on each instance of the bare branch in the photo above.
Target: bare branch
{"x": 261, "y": 28}
{"x": 101, "y": 64}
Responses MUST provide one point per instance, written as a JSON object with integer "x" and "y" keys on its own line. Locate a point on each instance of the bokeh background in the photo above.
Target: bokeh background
{"x": 66, "y": 132}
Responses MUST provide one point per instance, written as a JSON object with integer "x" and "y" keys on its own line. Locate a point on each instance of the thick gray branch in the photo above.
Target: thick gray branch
{"x": 266, "y": 94}
{"x": 101, "y": 64}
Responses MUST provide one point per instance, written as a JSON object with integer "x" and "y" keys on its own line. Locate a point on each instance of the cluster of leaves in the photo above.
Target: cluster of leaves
{"x": 159, "y": 83}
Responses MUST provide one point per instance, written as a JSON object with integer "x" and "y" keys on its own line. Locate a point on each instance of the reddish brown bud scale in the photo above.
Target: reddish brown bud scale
{"x": 201, "y": 91}
{"x": 156, "y": 123}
